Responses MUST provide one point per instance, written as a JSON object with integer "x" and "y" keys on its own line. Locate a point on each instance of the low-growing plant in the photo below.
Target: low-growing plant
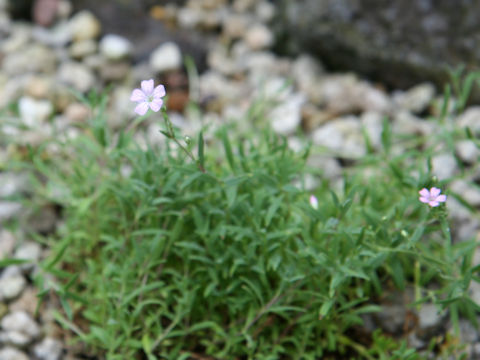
{"x": 186, "y": 252}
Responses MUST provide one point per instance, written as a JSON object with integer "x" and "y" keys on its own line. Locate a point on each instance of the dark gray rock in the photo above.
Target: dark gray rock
{"x": 132, "y": 20}
{"x": 398, "y": 42}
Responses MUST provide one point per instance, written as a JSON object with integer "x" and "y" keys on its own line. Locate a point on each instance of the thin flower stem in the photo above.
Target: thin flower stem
{"x": 171, "y": 135}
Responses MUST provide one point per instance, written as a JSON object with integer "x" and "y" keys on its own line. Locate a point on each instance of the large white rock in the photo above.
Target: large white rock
{"x": 258, "y": 37}
{"x": 19, "y": 328}
{"x": 34, "y": 112}
{"x": 77, "y": 75}
{"x": 416, "y": 99}
{"x": 7, "y": 243}
{"x": 166, "y": 57}
{"x": 11, "y": 286}
{"x": 10, "y": 353}
{"x": 115, "y": 47}
{"x": 84, "y": 25}
{"x": 444, "y": 166}
{"x": 342, "y": 136}
{"x": 48, "y": 349}
{"x": 470, "y": 118}
{"x": 287, "y": 116}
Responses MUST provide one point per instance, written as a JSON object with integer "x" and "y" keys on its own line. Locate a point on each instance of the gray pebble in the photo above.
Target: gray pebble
{"x": 11, "y": 353}
{"x": 48, "y": 349}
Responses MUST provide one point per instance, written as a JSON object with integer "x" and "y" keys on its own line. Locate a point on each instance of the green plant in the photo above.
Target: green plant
{"x": 224, "y": 256}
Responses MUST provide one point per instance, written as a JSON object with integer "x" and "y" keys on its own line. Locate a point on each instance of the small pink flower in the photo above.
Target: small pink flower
{"x": 148, "y": 97}
{"x": 432, "y": 197}
{"x": 314, "y": 202}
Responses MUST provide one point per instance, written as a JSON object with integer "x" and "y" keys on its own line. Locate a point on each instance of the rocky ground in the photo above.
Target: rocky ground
{"x": 40, "y": 65}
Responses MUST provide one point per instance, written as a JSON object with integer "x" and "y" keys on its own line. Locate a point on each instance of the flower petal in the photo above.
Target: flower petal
{"x": 441, "y": 198}
{"x": 434, "y": 192}
{"x": 142, "y": 108}
{"x": 433, "y": 203}
{"x": 424, "y": 199}
{"x": 147, "y": 87}
{"x": 314, "y": 202}
{"x": 424, "y": 192}
{"x": 159, "y": 91}
{"x": 156, "y": 105}
{"x": 138, "y": 96}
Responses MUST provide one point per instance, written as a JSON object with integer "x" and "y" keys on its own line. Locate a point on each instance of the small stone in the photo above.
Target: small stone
{"x": 28, "y": 301}
{"x": 94, "y": 62}
{"x": 76, "y": 75}
{"x": 471, "y": 119}
{"x": 468, "y": 333}
{"x": 7, "y": 244}
{"x": 373, "y": 123}
{"x": 83, "y": 48}
{"x": 416, "y": 99}
{"x": 3, "y": 310}
{"x": 467, "y": 151}
{"x": 306, "y": 71}
{"x": 11, "y": 286}
{"x": 62, "y": 97}
{"x": 34, "y": 112}
{"x": 12, "y": 184}
{"x": 9, "y": 209}
{"x": 406, "y": 123}
{"x": 115, "y": 71}
{"x": 30, "y": 251}
{"x": 312, "y": 117}
{"x": 470, "y": 193}
{"x": 19, "y": 37}
{"x": 121, "y": 107}
{"x": 372, "y": 99}
{"x": 58, "y": 36}
{"x": 77, "y": 112}
{"x": 444, "y": 166}
{"x": 11, "y": 353}
{"x": 219, "y": 60}
{"x": 189, "y": 18}
{"x": 64, "y": 9}
{"x": 265, "y": 11}
{"x": 429, "y": 317}
{"x": 115, "y": 47}
{"x": 20, "y": 62}
{"x": 20, "y": 328}
{"x": 329, "y": 167}
{"x": 243, "y": 5}
{"x": 258, "y": 37}
{"x": 166, "y": 57}
{"x": 287, "y": 116}
{"x": 475, "y": 350}
{"x": 39, "y": 87}
{"x": 48, "y": 349}
{"x": 391, "y": 318}
{"x": 43, "y": 221}
{"x": 343, "y": 136}
{"x": 84, "y": 25}
{"x": 236, "y": 25}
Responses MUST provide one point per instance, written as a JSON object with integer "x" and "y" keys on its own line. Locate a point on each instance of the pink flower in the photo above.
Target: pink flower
{"x": 432, "y": 197}
{"x": 314, "y": 202}
{"x": 148, "y": 97}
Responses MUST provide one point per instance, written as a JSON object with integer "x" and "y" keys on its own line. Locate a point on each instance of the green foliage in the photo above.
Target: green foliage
{"x": 169, "y": 257}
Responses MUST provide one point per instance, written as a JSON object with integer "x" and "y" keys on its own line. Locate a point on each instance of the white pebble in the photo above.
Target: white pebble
{"x": 115, "y": 47}
{"x": 10, "y": 353}
{"x": 166, "y": 57}
{"x": 48, "y": 349}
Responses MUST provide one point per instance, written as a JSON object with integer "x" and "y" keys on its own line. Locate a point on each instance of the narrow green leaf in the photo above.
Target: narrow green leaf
{"x": 201, "y": 157}
{"x": 228, "y": 150}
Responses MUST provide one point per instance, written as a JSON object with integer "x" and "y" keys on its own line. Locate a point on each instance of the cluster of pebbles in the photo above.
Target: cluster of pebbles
{"x": 41, "y": 66}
